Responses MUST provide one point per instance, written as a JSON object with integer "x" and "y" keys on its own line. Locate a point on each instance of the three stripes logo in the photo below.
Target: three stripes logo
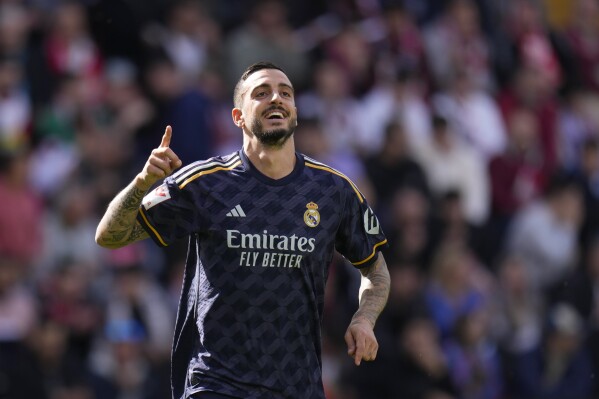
{"x": 236, "y": 212}
{"x": 371, "y": 223}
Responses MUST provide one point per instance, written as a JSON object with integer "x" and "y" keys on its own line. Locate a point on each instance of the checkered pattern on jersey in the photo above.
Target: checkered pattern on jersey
{"x": 256, "y": 273}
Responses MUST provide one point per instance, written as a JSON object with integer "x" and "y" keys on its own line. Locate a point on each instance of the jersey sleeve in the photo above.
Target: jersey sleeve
{"x": 360, "y": 235}
{"x": 168, "y": 213}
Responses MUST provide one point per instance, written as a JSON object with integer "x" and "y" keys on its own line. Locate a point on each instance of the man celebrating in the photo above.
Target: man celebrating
{"x": 263, "y": 224}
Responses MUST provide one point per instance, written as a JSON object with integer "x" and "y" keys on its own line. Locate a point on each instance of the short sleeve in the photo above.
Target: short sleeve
{"x": 360, "y": 235}
{"x": 169, "y": 213}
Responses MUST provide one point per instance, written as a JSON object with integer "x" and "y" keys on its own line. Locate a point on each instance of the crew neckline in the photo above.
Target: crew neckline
{"x": 249, "y": 166}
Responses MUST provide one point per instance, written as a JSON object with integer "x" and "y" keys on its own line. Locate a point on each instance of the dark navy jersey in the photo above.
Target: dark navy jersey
{"x": 259, "y": 251}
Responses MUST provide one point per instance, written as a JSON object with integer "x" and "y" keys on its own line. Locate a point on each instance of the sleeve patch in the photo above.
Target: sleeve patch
{"x": 156, "y": 196}
{"x": 371, "y": 223}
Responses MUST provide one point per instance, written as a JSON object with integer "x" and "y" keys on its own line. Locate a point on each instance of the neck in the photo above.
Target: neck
{"x": 274, "y": 162}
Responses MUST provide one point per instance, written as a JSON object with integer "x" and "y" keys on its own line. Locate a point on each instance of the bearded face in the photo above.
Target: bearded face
{"x": 274, "y": 136}
{"x": 267, "y": 112}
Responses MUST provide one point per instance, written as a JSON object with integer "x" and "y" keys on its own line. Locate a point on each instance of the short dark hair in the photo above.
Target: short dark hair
{"x": 258, "y": 66}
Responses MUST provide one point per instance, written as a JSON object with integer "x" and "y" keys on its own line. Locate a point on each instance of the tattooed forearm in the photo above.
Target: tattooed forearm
{"x": 133, "y": 198}
{"x": 374, "y": 291}
{"x": 119, "y": 227}
{"x": 138, "y": 233}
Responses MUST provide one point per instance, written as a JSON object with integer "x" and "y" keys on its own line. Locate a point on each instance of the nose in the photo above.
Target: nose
{"x": 276, "y": 97}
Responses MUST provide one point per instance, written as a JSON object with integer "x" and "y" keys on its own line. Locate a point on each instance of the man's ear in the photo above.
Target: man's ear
{"x": 237, "y": 117}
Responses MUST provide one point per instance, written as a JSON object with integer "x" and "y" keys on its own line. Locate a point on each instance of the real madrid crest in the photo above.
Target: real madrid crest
{"x": 311, "y": 216}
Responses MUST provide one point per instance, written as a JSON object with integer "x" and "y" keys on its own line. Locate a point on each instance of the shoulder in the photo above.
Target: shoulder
{"x": 340, "y": 179}
{"x": 197, "y": 169}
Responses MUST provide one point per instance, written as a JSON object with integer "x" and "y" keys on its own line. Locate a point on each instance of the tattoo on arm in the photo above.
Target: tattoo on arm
{"x": 119, "y": 226}
{"x": 138, "y": 233}
{"x": 374, "y": 291}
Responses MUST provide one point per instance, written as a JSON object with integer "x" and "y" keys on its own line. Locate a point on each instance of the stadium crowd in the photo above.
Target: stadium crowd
{"x": 472, "y": 126}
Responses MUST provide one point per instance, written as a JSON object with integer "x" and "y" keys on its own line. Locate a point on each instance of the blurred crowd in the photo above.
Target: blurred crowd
{"x": 472, "y": 126}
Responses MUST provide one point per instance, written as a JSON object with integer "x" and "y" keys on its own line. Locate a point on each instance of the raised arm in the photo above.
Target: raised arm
{"x": 374, "y": 291}
{"x": 119, "y": 226}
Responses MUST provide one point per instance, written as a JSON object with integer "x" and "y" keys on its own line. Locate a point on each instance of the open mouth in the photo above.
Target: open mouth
{"x": 273, "y": 115}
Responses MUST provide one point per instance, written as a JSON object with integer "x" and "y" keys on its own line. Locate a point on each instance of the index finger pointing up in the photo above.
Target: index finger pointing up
{"x": 166, "y": 138}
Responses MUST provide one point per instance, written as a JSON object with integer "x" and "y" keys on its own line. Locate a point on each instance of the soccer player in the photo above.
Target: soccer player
{"x": 263, "y": 224}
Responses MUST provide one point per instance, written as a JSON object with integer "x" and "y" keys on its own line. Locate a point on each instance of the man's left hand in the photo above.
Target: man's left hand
{"x": 361, "y": 342}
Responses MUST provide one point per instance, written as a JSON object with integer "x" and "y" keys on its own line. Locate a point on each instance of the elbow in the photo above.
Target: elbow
{"x": 101, "y": 242}
{"x": 104, "y": 243}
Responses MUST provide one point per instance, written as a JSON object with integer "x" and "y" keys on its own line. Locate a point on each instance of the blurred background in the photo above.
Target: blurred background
{"x": 472, "y": 126}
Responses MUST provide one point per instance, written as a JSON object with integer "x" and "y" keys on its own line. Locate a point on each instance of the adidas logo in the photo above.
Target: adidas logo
{"x": 236, "y": 212}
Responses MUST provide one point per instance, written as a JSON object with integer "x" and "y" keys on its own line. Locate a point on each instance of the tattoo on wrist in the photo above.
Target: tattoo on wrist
{"x": 374, "y": 297}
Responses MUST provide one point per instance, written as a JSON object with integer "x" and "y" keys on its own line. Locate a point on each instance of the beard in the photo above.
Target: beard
{"x": 275, "y": 137}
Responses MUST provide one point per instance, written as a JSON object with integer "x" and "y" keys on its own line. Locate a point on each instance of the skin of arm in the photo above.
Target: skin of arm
{"x": 119, "y": 226}
{"x": 374, "y": 291}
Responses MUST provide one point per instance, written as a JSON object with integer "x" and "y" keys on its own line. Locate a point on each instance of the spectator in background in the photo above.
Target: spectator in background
{"x": 400, "y": 99}
{"x": 18, "y": 321}
{"x": 69, "y": 47}
{"x": 18, "y": 308}
{"x": 22, "y": 210}
{"x": 560, "y": 367}
{"x": 582, "y": 34}
{"x": 473, "y": 115}
{"x": 402, "y": 44}
{"x": 15, "y": 22}
{"x": 125, "y": 108}
{"x": 532, "y": 42}
{"x": 529, "y": 90}
{"x": 517, "y": 176}
{"x": 455, "y": 39}
{"x": 406, "y": 298}
{"x": 423, "y": 369}
{"x": 587, "y": 176}
{"x": 473, "y": 359}
{"x": 331, "y": 103}
{"x": 68, "y": 232}
{"x": 578, "y": 122}
{"x": 408, "y": 226}
{"x": 54, "y": 131}
{"x": 191, "y": 38}
{"x": 182, "y": 106}
{"x": 15, "y": 105}
{"x": 61, "y": 373}
{"x": 138, "y": 297}
{"x": 450, "y": 225}
{"x": 350, "y": 51}
{"x": 452, "y": 290}
{"x": 579, "y": 290}
{"x": 545, "y": 232}
{"x": 68, "y": 299}
{"x": 392, "y": 167}
{"x": 450, "y": 165}
{"x": 56, "y": 119}
{"x": 518, "y": 309}
{"x": 120, "y": 361}
{"x": 265, "y": 35}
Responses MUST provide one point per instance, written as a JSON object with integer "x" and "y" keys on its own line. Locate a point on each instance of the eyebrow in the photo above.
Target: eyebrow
{"x": 267, "y": 85}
